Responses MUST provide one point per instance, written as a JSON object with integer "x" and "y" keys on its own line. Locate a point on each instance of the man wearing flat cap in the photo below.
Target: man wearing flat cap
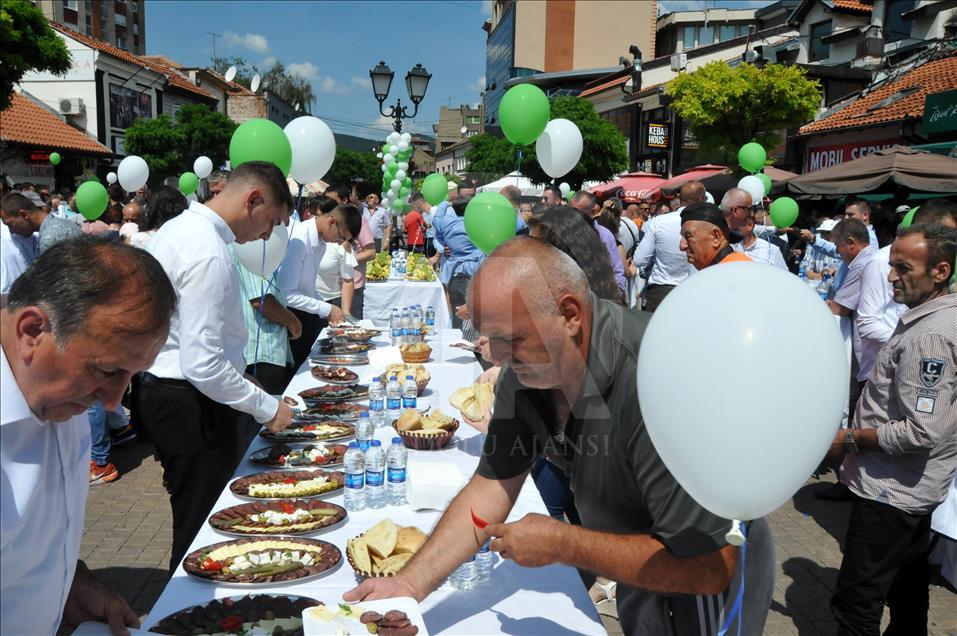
{"x": 706, "y": 237}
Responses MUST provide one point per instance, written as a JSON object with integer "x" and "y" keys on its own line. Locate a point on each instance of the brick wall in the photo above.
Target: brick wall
{"x": 239, "y": 108}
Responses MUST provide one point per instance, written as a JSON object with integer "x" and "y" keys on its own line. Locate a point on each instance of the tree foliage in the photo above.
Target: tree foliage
{"x": 726, "y": 107}
{"x": 350, "y": 164}
{"x": 604, "y": 154}
{"x": 170, "y": 147}
{"x": 291, "y": 88}
{"x": 27, "y": 43}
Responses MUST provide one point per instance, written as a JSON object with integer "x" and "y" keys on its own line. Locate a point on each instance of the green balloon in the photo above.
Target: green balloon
{"x": 523, "y": 113}
{"x": 260, "y": 140}
{"x": 489, "y": 220}
{"x": 407, "y": 182}
{"x": 55, "y": 158}
{"x": 403, "y": 192}
{"x": 91, "y": 200}
{"x": 571, "y": 195}
{"x": 393, "y": 168}
{"x": 752, "y": 156}
{"x": 784, "y": 212}
{"x": 766, "y": 180}
{"x": 435, "y": 188}
{"x": 385, "y": 149}
{"x": 188, "y": 182}
{"x": 908, "y": 218}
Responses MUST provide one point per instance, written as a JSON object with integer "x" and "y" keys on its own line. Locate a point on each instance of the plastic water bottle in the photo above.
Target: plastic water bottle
{"x": 483, "y": 564}
{"x": 409, "y": 392}
{"x": 406, "y": 326}
{"x": 354, "y": 461}
{"x": 802, "y": 272}
{"x": 393, "y": 399}
{"x": 395, "y": 325}
{"x": 396, "y": 460}
{"x": 364, "y": 431}
{"x": 463, "y": 579}
{"x": 376, "y": 403}
{"x": 375, "y": 476}
{"x": 415, "y": 327}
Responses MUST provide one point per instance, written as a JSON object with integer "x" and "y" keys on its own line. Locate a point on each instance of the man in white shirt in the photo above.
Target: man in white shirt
{"x": 192, "y": 400}
{"x": 67, "y": 342}
{"x": 13, "y": 259}
{"x": 378, "y": 218}
{"x": 297, "y": 274}
{"x": 757, "y": 249}
{"x": 660, "y": 249}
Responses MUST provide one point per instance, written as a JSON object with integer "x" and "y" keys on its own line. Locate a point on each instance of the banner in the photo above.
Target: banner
{"x": 827, "y": 156}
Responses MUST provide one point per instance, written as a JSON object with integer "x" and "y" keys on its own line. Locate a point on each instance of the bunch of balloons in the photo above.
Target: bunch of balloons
{"x": 396, "y": 181}
{"x": 752, "y": 157}
{"x": 524, "y": 114}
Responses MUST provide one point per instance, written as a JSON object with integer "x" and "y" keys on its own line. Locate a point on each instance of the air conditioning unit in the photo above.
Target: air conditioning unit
{"x": 71, "y": 106}
{"x": 870, "y": 47}
{"x": 679, "y": 61}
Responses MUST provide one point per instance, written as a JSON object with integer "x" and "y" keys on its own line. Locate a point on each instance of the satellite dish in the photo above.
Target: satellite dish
{"x": 464, "y": 129}
{"x": 230, "y": 73}
{"x": 254, "y": 85}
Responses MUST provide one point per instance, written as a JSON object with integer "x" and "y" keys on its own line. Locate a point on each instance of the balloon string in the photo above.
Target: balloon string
{"x": 736, "y": 608}
{"x": 262, "y": 307}
{"x": 518, "y": 169}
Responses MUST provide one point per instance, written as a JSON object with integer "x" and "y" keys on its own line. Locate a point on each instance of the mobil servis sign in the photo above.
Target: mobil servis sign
{"x": 827, "y": 156}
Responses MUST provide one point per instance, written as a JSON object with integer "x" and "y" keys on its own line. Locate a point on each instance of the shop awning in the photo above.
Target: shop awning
{"x": 630, "y": 187}
{"x": 900, "y": 167}
{"x": 672, "y": 185}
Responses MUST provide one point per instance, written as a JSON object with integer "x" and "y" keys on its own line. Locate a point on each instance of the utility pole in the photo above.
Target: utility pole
{"x": 215, "y": 35}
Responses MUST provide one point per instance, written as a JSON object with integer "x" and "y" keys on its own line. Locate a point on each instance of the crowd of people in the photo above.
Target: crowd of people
{"x": 149, "y": 339}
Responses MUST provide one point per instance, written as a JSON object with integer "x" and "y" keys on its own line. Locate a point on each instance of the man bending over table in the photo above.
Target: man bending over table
{"x": 568, "y": 390}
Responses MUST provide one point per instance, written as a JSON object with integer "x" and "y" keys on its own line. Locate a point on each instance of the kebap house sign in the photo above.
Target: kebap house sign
{"x": 659, "y": 135}
{"x": 827, "y": 156}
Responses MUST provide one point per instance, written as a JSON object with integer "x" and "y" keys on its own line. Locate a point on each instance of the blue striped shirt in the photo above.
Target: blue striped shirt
{"x": 273, "y": 338}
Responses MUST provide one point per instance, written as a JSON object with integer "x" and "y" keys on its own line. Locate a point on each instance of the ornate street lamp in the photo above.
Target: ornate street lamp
{"x": 416, "y": 83}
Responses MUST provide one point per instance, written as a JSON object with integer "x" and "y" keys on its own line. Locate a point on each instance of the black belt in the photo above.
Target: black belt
{"x": 149, "y": 379}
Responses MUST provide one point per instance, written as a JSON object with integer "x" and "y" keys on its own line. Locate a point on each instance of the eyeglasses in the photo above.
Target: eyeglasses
{"x": 644, "y": 207}
{"x": 339, "y": 232}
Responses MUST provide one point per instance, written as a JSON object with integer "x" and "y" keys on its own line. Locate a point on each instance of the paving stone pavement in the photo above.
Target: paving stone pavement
{"x": 126, "y": 542}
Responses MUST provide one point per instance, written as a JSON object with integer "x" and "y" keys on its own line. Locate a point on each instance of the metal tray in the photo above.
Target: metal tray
{"x": 311, "y": 577}
{"x": 264, "y": 452}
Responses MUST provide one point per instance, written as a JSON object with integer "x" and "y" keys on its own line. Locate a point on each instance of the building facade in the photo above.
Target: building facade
{"x": 451, "y": 160}
{"x": 549, "y": 36}
{"x": 452, "y": 121}
{"x": 121, "y": 23}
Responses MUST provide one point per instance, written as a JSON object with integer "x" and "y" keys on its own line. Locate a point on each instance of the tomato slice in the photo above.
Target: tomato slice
{"x": 289, "y": 480}
{"x": 211, "y": 565}
{"x": 287, "y": 507}
{"x": 231, "y": 623}
{"x": 479, "y": 522}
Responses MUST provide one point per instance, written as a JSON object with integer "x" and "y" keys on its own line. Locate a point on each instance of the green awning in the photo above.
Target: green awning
{"x": 946, "y": 148}
{"x": 913, "y": 197}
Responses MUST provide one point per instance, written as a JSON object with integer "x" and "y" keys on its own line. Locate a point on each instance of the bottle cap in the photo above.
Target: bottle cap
{"x": 363, "y": 414}
{"x": 396, "y": 440}
{"x": 409, "y": 377}
{"x": 353, "y": 444}
{"x": 376, "y": 442}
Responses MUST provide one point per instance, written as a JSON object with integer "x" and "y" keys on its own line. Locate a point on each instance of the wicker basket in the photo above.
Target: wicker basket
{"x": 416, "y": 357}
{"x": 361, "y": 573}
{"x": 419, "y": 385}
{"x": 436, "y": 441}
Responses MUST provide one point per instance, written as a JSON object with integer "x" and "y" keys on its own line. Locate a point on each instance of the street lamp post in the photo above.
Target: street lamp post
{"x": 416, "y": 83}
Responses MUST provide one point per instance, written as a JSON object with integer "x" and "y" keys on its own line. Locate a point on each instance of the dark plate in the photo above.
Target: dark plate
{"x": 269, "y": 456}
{"x": 220, "y": 520}
{"x": 205, "y": 619}
{"x": 332, "y": 393}
{"x": 338, "y": 376}
{"x": 327, "y": 559}
{"x": 240, "y": 486}
{"x": 297, "y": 433}
{"x": 341, "y": 411}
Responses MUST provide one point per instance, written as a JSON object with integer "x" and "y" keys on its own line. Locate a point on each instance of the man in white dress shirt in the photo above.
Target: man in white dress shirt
{"x": 192, "y": 400}
{"x": 68, "y": 341}
{"x": 660, "y": 249}
{"x": 757, "y": 249}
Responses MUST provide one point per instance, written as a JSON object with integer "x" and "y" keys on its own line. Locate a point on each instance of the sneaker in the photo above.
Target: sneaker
{"x": 123, "y": 435}
{"x": 103, "y": 474}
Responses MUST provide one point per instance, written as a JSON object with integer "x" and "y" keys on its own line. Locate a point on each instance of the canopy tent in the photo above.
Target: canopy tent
{"x": 630, "y": 187}
{"x": 891, "y": 170}
{"x": 310, "y": 189}
{"x": 720, "y": 182}
{"x": 672, "y": 185}
{"x": 525, "y": 186}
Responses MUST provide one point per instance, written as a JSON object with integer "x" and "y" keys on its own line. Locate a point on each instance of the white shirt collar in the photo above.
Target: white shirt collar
{"x": 13, "y": 406}
{"x": 218, "y": 223}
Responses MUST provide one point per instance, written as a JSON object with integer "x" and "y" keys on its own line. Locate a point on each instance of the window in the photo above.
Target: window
{"x": 707, "y": 36}
{"x": 688, "y": 39}
{"x": 69, "y": 4}
{"x": 895, "y": 28}
{"x": 818, "y": 50}
{"x": 742, "y": 30}
{"x": 121, "y": 42}
{"x": 727, "y": 32}
{"x": 472, "y": 119}
{"x": 120, "y": 19}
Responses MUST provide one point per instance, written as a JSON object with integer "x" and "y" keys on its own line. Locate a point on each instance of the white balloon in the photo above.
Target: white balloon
{"x": 133, "y": 173}
{"x": 385, "y": 167}
{"x": 559, "y": 147}
{"x": 203, "y": 167}
{"x": 403, "y": 165}
{"x": 393, "y": 138}
{"x": 393, "y": 149}
{"x": 564, "y": 188}
{"x": 708, "y": 197}
{"x": 729, "y": 457}
{"x": 406, "y": 137}
{"x": 400, "y": 174}
{"x": 403, "y": 146}
{"x": 313, "y": 148}
{"x": 264, "y": 257}
{"x": 396, "y": 184}
{"x": 111, "y": 177}
{"x": 378, "y": 155}
{"x": 753, "y": 186}
{"x": 388, "y": 159}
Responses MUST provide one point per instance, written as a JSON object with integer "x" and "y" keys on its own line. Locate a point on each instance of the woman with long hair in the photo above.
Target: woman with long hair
{"x": 164, "y": 204}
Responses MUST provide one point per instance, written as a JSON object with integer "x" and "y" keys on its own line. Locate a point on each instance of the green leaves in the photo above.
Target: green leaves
{"x": 350, "y": 164}
{"x": 726, "y": 107}
{"x": 27, "y": 43}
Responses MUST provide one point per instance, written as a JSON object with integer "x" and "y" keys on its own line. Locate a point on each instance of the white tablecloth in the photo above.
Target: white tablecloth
{"x": 381, "y": 297}
{"x": 549, "y": 600}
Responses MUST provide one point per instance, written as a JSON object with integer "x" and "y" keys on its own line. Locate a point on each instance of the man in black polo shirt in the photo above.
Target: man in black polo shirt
{"x": 568, "y": 390}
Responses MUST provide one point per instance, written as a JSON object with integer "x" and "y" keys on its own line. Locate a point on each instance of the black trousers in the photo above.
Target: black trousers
{"x": 655, "y": 294}
{"x": 358, "y": 297}
{"x": 273, "y": 377}
{"x": 322, "y": 323}
{"x": 302, "y": 345}
{"x": 458, "y": 288}
{"x": 199, "y": 444}
{"x": 885, "y": 560}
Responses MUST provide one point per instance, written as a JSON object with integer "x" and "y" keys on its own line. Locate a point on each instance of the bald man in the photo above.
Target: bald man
{"x": 567, "y": 390}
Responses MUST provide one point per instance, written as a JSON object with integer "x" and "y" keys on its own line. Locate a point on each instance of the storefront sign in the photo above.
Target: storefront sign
{"x": 940, "y": 112}
{"x": 659, "y": 135}
{"x": 689, "y": 141}
{"x": 38, "y": 156}
{"x": 827, "y": 156}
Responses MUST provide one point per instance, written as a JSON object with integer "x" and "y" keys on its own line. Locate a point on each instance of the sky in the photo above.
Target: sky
{"x": 333, "y": 44}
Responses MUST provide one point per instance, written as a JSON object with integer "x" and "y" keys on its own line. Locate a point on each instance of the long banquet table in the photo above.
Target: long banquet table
{"x": 548, "y": 600}
{"x": 381, "y": 296}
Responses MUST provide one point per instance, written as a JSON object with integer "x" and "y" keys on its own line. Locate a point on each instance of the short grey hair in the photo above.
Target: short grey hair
{"x": 731, "y": 198}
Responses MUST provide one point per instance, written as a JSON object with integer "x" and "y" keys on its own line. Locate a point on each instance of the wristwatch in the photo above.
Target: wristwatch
{"x": 849, "y": 444}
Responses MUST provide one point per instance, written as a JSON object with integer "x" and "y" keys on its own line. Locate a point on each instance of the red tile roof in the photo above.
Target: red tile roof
{"x": 617, "y": 82}
{"x": 853, "y": 5}
{"x": 26, "y": 122}
{"x": 931, "y": 77}
{"x": 155, "y": 62}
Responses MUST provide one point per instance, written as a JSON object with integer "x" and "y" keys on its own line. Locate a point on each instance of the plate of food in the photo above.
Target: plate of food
{"x": 339, "y": 411}
{"x": 293, "y": 517}
{"x": 419, "y": 373}
{"x": 383, "y": 549}
{"x": 299, "y": 455}
{"x": 312, "y": 431}
{"x": 398, "y": 616}
{"x": 430, "y": 431}
{"x": 288, "y": 484}
{"x": 335, "y": 346}
{"x": 335, "y": 375}
{"x": 334, "y": 393}
{"x": 352, "y": 360}
{"x": 263, "y": 561}
{"x": 274, "y": 614}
